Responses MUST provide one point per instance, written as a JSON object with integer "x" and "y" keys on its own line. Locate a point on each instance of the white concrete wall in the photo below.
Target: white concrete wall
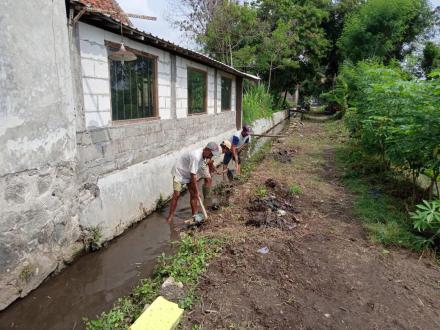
{"x": 96, "y": 78}
{"x": 38, "y": 223}
{"x": 263, "y": 125}
{"x": 96, "y": 75}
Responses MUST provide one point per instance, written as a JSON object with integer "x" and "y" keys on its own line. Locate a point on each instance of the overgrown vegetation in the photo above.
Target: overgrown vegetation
{"x": 380, "y": 201}
{"x": 257, "y": 103}
{"x": 396, "y": 120}
{"x": 186, "y": 265}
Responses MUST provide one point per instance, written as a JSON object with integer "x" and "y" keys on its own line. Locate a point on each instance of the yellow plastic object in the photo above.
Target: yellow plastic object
{"x": 161, "y": 315}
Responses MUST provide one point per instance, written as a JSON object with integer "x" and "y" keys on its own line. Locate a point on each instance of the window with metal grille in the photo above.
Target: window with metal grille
{"x": 226, "y": 93}
{"x": 133, "y": 88}
{"x": 196, "y": 91}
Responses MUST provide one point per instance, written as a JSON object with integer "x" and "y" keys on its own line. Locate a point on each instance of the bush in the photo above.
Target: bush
{"x": 257, "y": 104}
{"x": 394, "y": 118}
{"x": 427, "y": 218}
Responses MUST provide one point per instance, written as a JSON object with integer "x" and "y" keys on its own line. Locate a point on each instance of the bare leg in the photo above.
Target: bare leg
{"x": 207, "y": 182}
{"x": 173, "y": 206}
{"x": 194, "y": 201}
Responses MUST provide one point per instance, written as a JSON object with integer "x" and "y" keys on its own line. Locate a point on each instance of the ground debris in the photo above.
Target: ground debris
{"x": 282, "y": 154}
{"x": 270, "y": 211}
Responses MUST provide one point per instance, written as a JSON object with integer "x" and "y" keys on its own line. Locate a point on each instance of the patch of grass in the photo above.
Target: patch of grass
{"x": 384, "y": 216}
{"x": 250, "y": 164}
{"x": 186, "y": 266}
{"x": 294, "y": 189}
{"x": 261, "y": 191}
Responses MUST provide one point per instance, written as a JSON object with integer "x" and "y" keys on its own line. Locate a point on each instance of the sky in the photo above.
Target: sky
{"x": 158, "y": 8}
{"x": 162, "y": 28}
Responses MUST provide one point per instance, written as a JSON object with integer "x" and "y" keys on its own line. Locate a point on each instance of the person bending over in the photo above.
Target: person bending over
{"x": 238, "y": 141}
{"x": 188, "y": 166}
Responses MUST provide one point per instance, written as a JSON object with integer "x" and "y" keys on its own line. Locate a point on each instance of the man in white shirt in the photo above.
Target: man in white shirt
{"x": 188, "y": 166}
{"x": 238, "y": 141}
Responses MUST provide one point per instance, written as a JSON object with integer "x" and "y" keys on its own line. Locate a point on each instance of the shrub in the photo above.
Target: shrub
{"x": 257, "y": 103}
{"x": 427, "y": 218}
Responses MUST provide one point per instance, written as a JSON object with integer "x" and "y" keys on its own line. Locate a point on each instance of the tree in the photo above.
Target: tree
{"x": 431, "y": 58}
{"x": 192, "y": 16}
{"x": 297, "y": 25}
{"x": 233, "y": 33}
{"x": 384, "y": 29}
{"x": 333, "y": 26}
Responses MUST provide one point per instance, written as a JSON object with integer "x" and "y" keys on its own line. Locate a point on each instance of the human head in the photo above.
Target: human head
{"x": 211, "y": 149}
{"x": 246, "y": 130}
{"x": 226, "y": 146}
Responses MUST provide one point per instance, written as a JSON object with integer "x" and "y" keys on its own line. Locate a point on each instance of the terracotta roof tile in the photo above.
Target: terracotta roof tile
{"x": 110, "y": 5}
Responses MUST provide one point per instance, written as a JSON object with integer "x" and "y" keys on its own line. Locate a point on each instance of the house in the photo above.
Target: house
{"x": 89, "y": 142}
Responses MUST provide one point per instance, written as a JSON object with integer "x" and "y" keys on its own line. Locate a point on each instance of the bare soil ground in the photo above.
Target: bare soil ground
{"x": 321, "y": 271}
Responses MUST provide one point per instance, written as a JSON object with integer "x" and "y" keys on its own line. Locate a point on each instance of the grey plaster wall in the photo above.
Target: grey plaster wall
{"x": 38, "y": 221}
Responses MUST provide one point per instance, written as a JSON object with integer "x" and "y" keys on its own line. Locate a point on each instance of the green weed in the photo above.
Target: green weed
{"x": 261, "y": 191}
{"x": 294, "y": 189}
{"x": 186, "y": 266}
{"x": 91, "y": 237}
{"x": 161, "y": 203}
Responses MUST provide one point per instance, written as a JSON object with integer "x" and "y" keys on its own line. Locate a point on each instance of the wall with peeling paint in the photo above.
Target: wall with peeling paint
{"x": 38, "y": 220}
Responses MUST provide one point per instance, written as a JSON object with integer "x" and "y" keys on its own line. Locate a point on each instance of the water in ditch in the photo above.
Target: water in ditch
{"x": 94, "y": 281}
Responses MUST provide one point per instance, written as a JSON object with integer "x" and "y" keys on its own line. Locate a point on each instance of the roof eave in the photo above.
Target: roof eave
{"x": 149, "y": 39}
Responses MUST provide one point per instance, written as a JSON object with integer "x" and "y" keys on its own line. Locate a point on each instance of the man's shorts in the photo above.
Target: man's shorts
{"x": 228, "y": 156}
{"x": 201, "y": 174}
{"x": 178, "y": 186}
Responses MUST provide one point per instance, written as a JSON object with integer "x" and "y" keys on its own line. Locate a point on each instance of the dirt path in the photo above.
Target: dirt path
{"x": 321, "y": 271}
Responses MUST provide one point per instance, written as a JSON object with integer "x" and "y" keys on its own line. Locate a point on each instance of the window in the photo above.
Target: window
{"x": 196, "y": 91}
{"x": 133, "y": 88}
{"x": 226, "y": 93}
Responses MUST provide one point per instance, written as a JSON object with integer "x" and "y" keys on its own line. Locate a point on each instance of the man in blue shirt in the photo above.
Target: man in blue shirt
{"x": 238, "y": 141}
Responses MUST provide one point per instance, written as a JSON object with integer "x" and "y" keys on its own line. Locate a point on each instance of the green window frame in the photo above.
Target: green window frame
{"x": 197, "y": 93}
{"x": 133, "y": 87}
{"x": 226, "y": 93}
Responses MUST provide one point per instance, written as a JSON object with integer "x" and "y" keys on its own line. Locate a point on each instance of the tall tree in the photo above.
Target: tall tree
{"x": 192, "y": 16}
{"x": 303, "y": 46}
{"x": 384, "y": 29}
{"x": 338, "y": 12}
{"x": 233, "y": 33}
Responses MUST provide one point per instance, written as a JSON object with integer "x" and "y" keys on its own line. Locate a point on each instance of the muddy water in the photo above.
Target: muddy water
{"x": 94, "y": 282}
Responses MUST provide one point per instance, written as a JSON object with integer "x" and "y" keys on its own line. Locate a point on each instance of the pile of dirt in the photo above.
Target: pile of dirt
{"x": 221, "y": 194}
{"x": 274, "y": 210}
{"x": 283, "y": 155}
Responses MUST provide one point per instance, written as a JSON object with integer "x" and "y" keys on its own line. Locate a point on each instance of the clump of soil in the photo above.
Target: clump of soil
{"x": 274, "y": 210}
{"x": 221, "y": 194}
{"x": 283, "y": 155}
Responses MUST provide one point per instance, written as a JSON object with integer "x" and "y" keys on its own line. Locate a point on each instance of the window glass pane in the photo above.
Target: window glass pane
{"x": 226, "y": 93}
{"x": 196, "y": 91}
{"x": 132, "y": 85}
